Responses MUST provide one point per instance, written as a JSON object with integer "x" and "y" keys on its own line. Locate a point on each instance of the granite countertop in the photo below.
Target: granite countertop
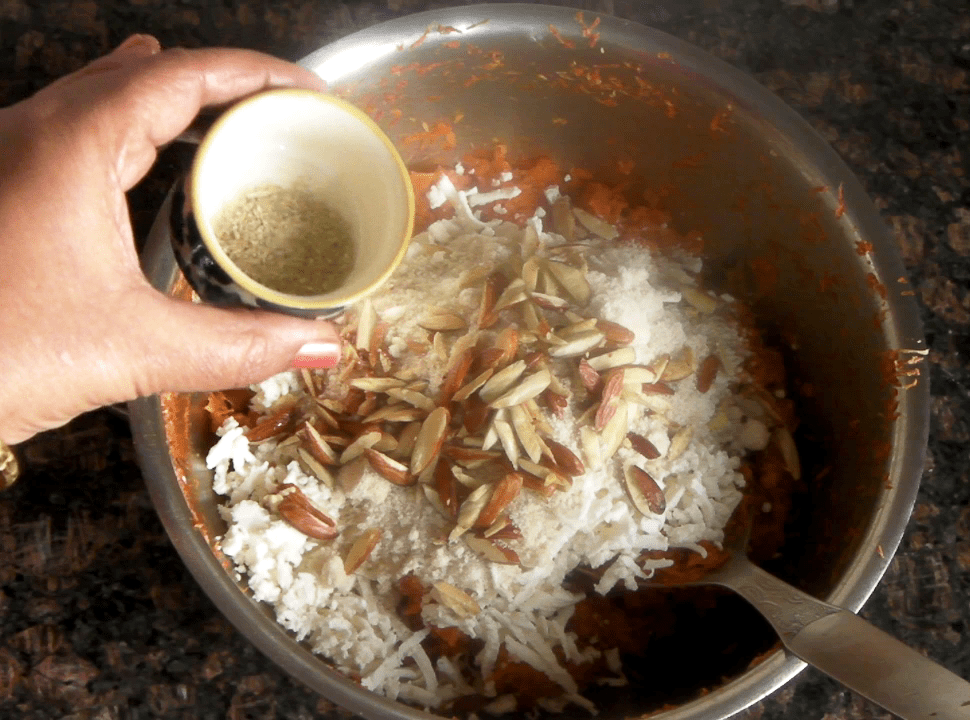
{"x": 98, "y": 616}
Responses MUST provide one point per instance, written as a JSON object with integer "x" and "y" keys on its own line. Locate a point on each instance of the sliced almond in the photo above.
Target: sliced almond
{"x": 388, "y": 468}
{"x": 707, "y": 372}
{"x": 525, "y": 430}
{"x": 359, "y": 445}
{"x": 469, "y": 511}
{"x": 501, "y": 381}
{"x": 680, "y": 366}
{"x": 525, "y": 389}
{"x": 595, "y": 225}
{"x": 504, "y": 492}
{"x": 679, "y": 443}
{"x": 492, "y": 551}
{"x": 458, "y": 601}
{"x": 565, "y": 458}
{"x": 614, "y": 433}
{"x": 643, "y": 446}
{"x": 612, "y": 359}
{"x": 361, "y": 549}
{"x": 297, "y": 510}
{"x": 646, "y": 494}
{"x": 563, "y": 220}
{"x": 412, "y": 397}
{"x": 699, "y": 300}
{"x": 789, "y": 451}
{"x": 578, "y": 346}
{"x": 315, "y": 467}
{"x": 572, "y": 280}
{"x": 615, "y": 333}
{"x": 430, "y": 439}
{"x": 319, "y": 448}
{"x": 442, "y": 320}
{"x": 377, "y": 384}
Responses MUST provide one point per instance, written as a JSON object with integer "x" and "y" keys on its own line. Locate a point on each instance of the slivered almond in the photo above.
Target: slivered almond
{"x": 366, "y": 322}
{"x": 475, "y": 414}
{"x": 548, "y": 302}
{"x": 309, "y": 382}
{"x": 439, "y": 346}
{"x": 572, "y": 280}
{"x": 612, "y": 359}
{"x": 361, "y": 549}
{"x": 580, "y": 345}
{"x": 441, "y": 320}
{"x": 387, "y": 443}
{"x": 595, "y": 225}
{"x": 563, "y": 220}
{"x": 506, "y": 436}
{"x": 588, "y": 375}
{"x": 377, "y": 384}
{"x": 359, "y": 445}
{"x": 324, "y": 414}
{"x": 430, "y": 439}
{"x": 297, "y": 510}
{"x": 555, "y": 402}
{"x": 578, "y": 327}
{"x": 504, "y": 492}
{"x": 699, "y": 300}
{"x": 492, "y": 551}
{"x": 538, "y": 485}
{"x": 539, "y": 419}
{"x": 679, "y": 443}
{"x": 565, "y": 458}
{"x": 406, "y": 439}
{"x": 659, "y": 388}
{"x": 707, "y": 372}
{"x": 494, "y": 285}
{"x": 614, "y": 433}
{"x": 637, "y": 375}
{"x": 525, "y": 389}
{"x": 395, "y": 414}
{"x": 377, "y": 341}
{"x": 680, "y": 366}
{"x": 615, "y": 333}
{"x": 609, "y": 400}
{"x": 789, "y": 451}
{"x": 512, "y": 295}
{"x": 501, "y": 381}
{"x": 369, "y": 405}
{"x": 490, "y": 358}
{"x": 548, "y": 475}
{"x": 412, "y": 397}
{"x": 315, "y": 467}
{"x": 643, "y": 446}
{"x": 530, "y": 273}
{"x": 525, "y": 430}
{"x": 350, "y": 475}
{"x": 388, "y": 468}
{"x": 646, "y": 494}
{"x": 458, "y": 601}
{"x": 590, "y": 444}
{"x": 469, "y": 511}
{"x": 502, "y": 529}
{"x": 466, "y": 390}
{"x": 318, "y": 447}
{"x": 468, "y": 455}
{"x": 272, "y": 424}
{"x": 455, "y": 375}
{"x": 508, "y": 342}
{"x": 431, "y": 495}
{"x": 446, "y": 489}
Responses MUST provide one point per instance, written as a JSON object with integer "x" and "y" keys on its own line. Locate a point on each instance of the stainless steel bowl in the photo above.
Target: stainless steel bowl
{"x": 733, "y": 162}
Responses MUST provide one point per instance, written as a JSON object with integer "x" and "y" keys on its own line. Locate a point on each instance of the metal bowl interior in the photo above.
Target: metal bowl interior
{"x": 787, "y": 228}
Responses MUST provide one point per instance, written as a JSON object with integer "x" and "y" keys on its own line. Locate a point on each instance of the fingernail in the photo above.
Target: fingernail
{"x": 317, "y": 355}
{"x": 141, "y": 42}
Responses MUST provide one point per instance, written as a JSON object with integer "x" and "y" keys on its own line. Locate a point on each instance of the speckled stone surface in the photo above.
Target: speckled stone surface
{"x": 99, "y": 618}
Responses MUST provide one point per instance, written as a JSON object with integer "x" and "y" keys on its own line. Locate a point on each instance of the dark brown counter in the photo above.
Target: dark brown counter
{"x": 99, "y": 618}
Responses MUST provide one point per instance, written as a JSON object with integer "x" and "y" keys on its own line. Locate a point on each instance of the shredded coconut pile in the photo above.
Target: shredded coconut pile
{"x": 353, "y": 619}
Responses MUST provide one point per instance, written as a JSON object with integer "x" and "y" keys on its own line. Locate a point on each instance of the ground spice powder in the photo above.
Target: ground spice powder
{"x": 288, "y": 239}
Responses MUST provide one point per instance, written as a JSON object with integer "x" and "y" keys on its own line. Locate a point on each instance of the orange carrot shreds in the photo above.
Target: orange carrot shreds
{"x": 603, "y": 201}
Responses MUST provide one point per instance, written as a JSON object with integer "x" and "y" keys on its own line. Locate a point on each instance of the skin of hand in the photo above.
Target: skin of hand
{"x": 80, "y": 325}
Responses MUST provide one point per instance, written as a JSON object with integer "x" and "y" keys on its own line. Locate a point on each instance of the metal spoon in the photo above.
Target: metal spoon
{"x": 846, "y": 647}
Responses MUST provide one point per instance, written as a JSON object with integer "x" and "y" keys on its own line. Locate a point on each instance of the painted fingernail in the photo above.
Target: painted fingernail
{"x": 317, "y": 355}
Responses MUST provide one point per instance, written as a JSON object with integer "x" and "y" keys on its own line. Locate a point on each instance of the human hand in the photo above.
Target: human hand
{"x": 80, "y": 326}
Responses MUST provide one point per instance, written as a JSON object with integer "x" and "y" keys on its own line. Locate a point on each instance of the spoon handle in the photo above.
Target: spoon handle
{"x": 850, "y": 650}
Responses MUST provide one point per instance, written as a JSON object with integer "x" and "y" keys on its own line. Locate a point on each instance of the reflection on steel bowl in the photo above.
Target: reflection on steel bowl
{"x": 786, "y": 228}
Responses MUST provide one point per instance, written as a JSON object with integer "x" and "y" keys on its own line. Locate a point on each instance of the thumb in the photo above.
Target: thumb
{"x": 190, "y": 347}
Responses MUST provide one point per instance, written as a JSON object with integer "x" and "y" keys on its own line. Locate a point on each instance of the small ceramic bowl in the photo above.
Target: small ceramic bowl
{"x": 286, "y": 137}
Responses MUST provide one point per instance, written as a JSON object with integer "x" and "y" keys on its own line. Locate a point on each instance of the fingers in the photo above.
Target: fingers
{"x": 188, "y": 347}
{"x": 137, "y": 97}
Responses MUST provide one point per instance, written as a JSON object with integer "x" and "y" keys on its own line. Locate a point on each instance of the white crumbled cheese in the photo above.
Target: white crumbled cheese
{"x": 353, "y": 620}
